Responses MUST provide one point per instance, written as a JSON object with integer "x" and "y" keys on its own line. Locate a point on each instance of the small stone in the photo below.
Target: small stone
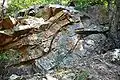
{"x": 49, "y": 77}
{"x": 116, "y": 55}
{"x": 70, "y": 76}
{"x": 46, "y": 49}
{"x": 14, "y": 77}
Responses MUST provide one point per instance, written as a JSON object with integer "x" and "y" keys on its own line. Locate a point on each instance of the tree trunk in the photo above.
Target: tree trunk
{"x": 114, "y": 21}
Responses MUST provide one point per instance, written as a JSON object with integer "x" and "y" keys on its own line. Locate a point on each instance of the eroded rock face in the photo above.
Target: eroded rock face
{"x": 86, "y": 54}
{"x": 71, "y": 40}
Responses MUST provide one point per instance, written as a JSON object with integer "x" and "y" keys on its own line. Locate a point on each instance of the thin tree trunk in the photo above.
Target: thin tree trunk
{"x": 3, "y": 7}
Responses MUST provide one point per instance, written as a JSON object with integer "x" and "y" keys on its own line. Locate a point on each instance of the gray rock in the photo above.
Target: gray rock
{"x": 94, "y": 43}
{"x": 69, "y": 76}
{"x": 45, "y": 63}
{"x": 21, "y": 13}
{"x": 113, "y": 56}
{"x": 14, "y": 77}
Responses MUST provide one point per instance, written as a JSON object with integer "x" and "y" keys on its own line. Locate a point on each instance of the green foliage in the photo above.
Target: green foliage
{"x": 3, "y": 57}
{"x": 83, "y": 4}
{"x": 16, "y": 5}
{"x": 83, "y": 76}
{"x": 9, "y": 55}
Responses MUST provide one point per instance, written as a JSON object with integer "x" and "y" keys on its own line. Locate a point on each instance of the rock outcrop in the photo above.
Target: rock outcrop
{"x": 64, "y": 44}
